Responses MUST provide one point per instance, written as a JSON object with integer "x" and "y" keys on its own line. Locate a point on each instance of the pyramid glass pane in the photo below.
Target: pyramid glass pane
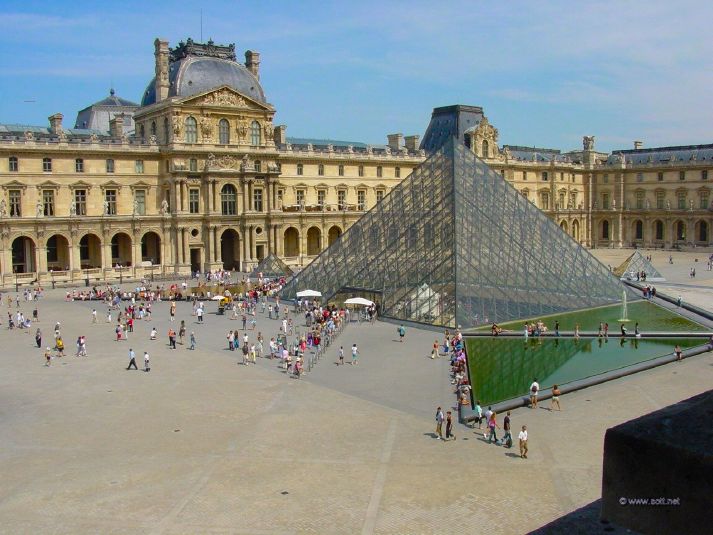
{"x": 455, "y": 244}
{"x": 271, "y": 267}
{"x": 637, "y": 263}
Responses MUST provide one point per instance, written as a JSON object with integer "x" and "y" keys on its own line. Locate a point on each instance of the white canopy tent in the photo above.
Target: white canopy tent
{"x": 309, "y": 293}
{"x": 358, "y": 301}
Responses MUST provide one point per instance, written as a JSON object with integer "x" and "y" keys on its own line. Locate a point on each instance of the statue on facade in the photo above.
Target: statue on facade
{"x": 176, "y": 125}
{"x": 613, "y": 204}
{"x": 588, "y": 142}
{"x": 164, "y": 207}
{"x": 269, "y": 132}
{"x": 648, "y": 204}
{"x": 690, "y": 205}
{"x": 242, "y": 128}
{"x": 39, "y": 208}
{"x": 29, "y": 136}
{"x": 72, "y": 209}
{"x": 668, "y": 204}
{"x": 3, "y": 208}
{"x": 136, "y": 206}
{"x": 206, "y": 127}
{"x": 106, "y": 207}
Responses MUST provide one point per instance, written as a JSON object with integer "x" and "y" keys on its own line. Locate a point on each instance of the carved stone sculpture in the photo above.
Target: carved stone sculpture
{"x": 136, "y": 206}
{"x": 588, "y": 142}
{"x": 242, "y": 129}
{"x": 3, "y": 208}
{"x": 39, "y": 208}
{"x": 224, "y": 97}
{"x": 106, "y": 207}
{"x": 176, "y": 125}
{"x": 72, "y": 209}
{"x": 164, "y": 207}
{"x": 206, "y": 127}
{"x": 29, "y": 136}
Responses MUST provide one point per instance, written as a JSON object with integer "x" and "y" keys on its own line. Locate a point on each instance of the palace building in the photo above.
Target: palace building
{"x": 197, "y": 177}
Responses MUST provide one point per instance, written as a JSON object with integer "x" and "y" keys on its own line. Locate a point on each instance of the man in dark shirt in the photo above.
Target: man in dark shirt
{"x": 507, "y": 439}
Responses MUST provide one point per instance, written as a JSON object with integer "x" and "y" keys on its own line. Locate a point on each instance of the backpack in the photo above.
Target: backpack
{"x": 533, "y": 389}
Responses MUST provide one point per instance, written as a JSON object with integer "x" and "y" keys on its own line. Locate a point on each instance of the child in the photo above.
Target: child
{"x": 341, "y": 356}
{"x": 153, "y": 333}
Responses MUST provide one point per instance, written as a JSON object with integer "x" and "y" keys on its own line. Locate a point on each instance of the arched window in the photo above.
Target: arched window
{"x": 659, "y": 230}
{"x": 191, "y": 130}
{"x": 227, "y": 198}
{"x": 224, "y": 132}
{"x": 153, "y": 128}
{"x": 639, "y": 230}
{"x": 255, "y": 133}
{"x": 680, "y": 231}
{"x": 703, "y": 231}
{"x": 484, "y": 153}
{"x": 166, "y": 131}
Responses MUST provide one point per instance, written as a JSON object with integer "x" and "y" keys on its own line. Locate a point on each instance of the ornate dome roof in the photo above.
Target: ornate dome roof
{"x": 196, "y": 68}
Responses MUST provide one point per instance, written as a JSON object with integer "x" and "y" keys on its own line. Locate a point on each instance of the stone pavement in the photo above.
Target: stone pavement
{"x": 204, "y": 445}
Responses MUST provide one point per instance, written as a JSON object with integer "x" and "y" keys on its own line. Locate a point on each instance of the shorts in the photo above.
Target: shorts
{"x": 555, "y": 398}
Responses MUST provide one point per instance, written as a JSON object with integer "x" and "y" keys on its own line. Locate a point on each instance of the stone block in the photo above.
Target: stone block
{"x": 658, "y": 470}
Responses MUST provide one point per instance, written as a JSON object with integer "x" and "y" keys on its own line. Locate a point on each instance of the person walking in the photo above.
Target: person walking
{"x": 439, "y": 423}
{"x": 341, "y": 356}
{"x": 193, "y": 341}
{"x": 246, "y": 350}
{"x": 678, "y": 352}
{"x": 507, "y": 437}
{"x": 555, "y": 398}
{"x": 606, "y": 329}
{"x": 449, "y": 426}
{"x": 434, "y": 351}
{"x": 534, "y": 389}
{"x": 94, "y": 315}
{"x": 147, "y": 363}
{"x": 479, "y": 413}
{"x": 355, "y": 355}
{"x": 523, "y": 442}
{"x": 173, "y": 311}
{"x": 402, "y": 332}
{"x": 132, "y": 360}
{"x": 199, "y": 312}
{"x": 48, "y": 354}
{"x": 182, "y": 331}
{"x": 38, "y": 337}
{"x": 492, "y": 425}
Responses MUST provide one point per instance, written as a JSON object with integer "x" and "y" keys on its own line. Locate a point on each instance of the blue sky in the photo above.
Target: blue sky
{"x": 546, "y": 73}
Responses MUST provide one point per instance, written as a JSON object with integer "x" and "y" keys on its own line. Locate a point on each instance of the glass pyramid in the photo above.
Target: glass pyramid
{"x": 454, "y": 244}
{"x": 637, "y": 263}
{"x": 271, "y": 267}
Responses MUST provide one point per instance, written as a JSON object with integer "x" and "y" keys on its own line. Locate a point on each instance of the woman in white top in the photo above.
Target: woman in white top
{"x": 523, "y": 442}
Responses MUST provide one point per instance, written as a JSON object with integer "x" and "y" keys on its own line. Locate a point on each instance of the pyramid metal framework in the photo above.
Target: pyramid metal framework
{"x": 636, "y": 263}
{"x": 455, "y": 244}
{"x": 271, "y": 267}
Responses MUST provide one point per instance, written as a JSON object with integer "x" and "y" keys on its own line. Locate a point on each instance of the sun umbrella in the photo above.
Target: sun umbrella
{"x": 217, "y": 297}
{"x": 358, "y": 301}
{"x": 309, "y": 293}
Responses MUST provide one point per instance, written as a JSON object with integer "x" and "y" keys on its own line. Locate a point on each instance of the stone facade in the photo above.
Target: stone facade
{"x": 207, "y": 181}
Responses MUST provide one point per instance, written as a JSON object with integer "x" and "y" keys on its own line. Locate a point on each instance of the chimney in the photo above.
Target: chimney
{"x": 161, "y": 54}
{"x": 638, "y": 145}
{"x": 280, "y": 134}
{"x": 252, "y": 62}
{"x": 395, "y": 141}
{"x": 55, "y": 123}
{"x": 412, "y": 142}
{"x": 116, "y": 126}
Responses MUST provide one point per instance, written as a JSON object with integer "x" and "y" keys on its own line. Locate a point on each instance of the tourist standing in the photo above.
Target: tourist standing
{"x": 402, "y": 332}
{"x": 523, "y": 442}
{"x": 48, "y": 354}
{"x": 555, "y": 398}
{"x": 147, "y": 364}
{"x": 439, "y": 423}
{"x": 341, "y": 356}
{"x": 200, "y": 314}
{"x": 678, "y": 352}
{"x": 38, "y": 337}
{"x": 449, "y": 426}
{"x": 534, "y": 389}
{"x": 193, "y": 341}
{"x": 492, "y": 425}
{"x": 355, "y": 355}
{"x": 606, "y": 329}
{"x": 132, "y": 360}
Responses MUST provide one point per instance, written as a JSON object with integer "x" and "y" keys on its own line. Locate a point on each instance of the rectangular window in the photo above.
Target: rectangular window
{"x": 140, "y": 198}
{"x": 300, "y": 169}
{"x": 704, "y": 200}
{"x": 193, "y": 165}
{"x": 79, "y": 165}
{"x": 561, "y": 177}
{"x": 15, "y": 196}
{"x": 110, "y": 166}
{"x": 639, "y": 177}
{"x": 321, "y": 195}
{"x": 193, "y": 200}
{"x": 361, "y": 170}
{"x": 52, "y": 249}
{"x": 659, "y": 176}
{"x": 300, "y": 197}
{"x": 48, "y": 202}
{"x": 681, "y": 200}
{"x": 258, "y": 166}
{"x": 379, "y": 195}
{"x": 682, "y": 175}
{"x": 545, "y": 176}
{"x": 257, "y": 199}
{"x": 379, "y": 171}
{"x": 361, "y": 200}
{"x": 639, "y": 200}
{"x": 110, "y": 202}
{"x": 13, "y": 164}
{"x": 397, "y": 172}
{"x": 660, "y": 199}
{"x": 704, "y": 174}
{"x": 545, "y": 201}
{"x": 605, "y": 178}
{"x": 342, "y": 199}
{"x": 80, "y": 201}
{"x": 280, "y": 195}
{"x": 139, "y": 167}
{"x": 341, "y": 170}
{"x": 524, "y": 175}
{"x": 561, "y": 201}
{"x": 47, "y": 165}
{"x": 605, "y": 201}
{"x": 320, "y": 169}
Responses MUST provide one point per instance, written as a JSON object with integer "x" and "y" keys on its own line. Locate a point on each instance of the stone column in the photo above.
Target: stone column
{"x": 184, "y": 196}
{"x": 253, "y": 244}
{"x": 216, "y": 196}
{"x": 41, "y": 258}
{"x": 208, "y": 197}
{"x": 246, "y": 187}
{"x": 186, "y": 251}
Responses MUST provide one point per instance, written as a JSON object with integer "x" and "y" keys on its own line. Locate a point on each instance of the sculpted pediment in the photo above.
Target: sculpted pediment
{"x": 225, "y": 97}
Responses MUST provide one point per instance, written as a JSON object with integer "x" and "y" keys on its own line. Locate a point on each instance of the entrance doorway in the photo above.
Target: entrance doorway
{"x": 195, "y": 259}
{"x": 260, "y": 252}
